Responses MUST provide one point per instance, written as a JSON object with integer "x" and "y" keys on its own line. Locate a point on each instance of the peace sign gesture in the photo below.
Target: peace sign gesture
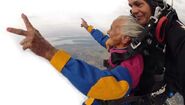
{"x": 33, "y": 40}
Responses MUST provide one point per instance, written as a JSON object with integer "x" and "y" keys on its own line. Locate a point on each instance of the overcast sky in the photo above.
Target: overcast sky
{"x": 26, "y": 79}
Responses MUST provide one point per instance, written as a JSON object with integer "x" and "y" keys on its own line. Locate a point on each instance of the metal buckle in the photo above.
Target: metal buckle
{"x": 160, "y": 91}
{"x": 135, "y": 46}
{"x": 155, "y": 18}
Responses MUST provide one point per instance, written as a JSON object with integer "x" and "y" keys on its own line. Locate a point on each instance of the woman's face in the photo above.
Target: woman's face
{"x": 117, "y": 37}
{"x": 115, "y": 32}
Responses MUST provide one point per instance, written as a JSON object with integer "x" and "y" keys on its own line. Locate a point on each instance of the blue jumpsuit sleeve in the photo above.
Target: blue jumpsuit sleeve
{"x": 99, "y": 37}
{"x": 96, "y": 83}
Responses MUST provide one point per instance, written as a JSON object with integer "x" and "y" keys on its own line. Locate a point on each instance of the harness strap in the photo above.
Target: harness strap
{"x": 164, "y": 24}
{"x": 135, "y": 46}
{"x": 159, "y": 37}
{"x": 147, "y": 99}
{"x": 129, "y": 99}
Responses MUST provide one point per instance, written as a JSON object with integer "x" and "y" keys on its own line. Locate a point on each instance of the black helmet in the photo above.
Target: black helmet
{"x": 154, "y": 3}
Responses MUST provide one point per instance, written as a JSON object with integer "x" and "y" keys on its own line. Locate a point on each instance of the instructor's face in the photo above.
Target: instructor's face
{"x": 141, "y": 10}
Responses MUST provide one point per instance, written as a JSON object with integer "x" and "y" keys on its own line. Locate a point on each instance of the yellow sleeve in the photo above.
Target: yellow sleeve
{"x": 90, "y": 28}
{"x": 59, "y": 59}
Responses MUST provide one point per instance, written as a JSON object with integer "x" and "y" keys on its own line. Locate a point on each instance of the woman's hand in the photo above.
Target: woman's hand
{"x": 33, "y": 40}
{"x": 84, "y": 24}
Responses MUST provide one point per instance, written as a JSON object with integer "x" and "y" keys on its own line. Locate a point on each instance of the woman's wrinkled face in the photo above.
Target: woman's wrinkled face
{"x": 115, "y": 32}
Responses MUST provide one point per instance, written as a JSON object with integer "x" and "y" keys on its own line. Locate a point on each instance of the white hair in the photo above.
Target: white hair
{"x": 130, "y": 27}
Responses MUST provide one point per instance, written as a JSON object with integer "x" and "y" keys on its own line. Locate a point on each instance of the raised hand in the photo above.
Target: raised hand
{"x": 33, "y": 40}
{"x": 84, "y": 24}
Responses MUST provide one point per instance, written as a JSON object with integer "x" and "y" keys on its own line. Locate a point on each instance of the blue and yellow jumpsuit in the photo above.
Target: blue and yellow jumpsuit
{"x": 90, "y": 80}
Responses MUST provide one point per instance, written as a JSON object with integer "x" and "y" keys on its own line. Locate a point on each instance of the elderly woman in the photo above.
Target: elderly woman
{"x": 121, "y": 33}
{"x": 94, "y": 83}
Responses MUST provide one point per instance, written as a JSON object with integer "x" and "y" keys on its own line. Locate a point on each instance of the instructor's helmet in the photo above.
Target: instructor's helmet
{"x": 154, "y": 3}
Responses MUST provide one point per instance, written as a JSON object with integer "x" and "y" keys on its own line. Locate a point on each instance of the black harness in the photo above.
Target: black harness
{"x": 146, "y": 37}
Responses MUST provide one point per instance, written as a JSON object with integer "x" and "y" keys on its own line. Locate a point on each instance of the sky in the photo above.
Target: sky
{"x": 26, "y": 79}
